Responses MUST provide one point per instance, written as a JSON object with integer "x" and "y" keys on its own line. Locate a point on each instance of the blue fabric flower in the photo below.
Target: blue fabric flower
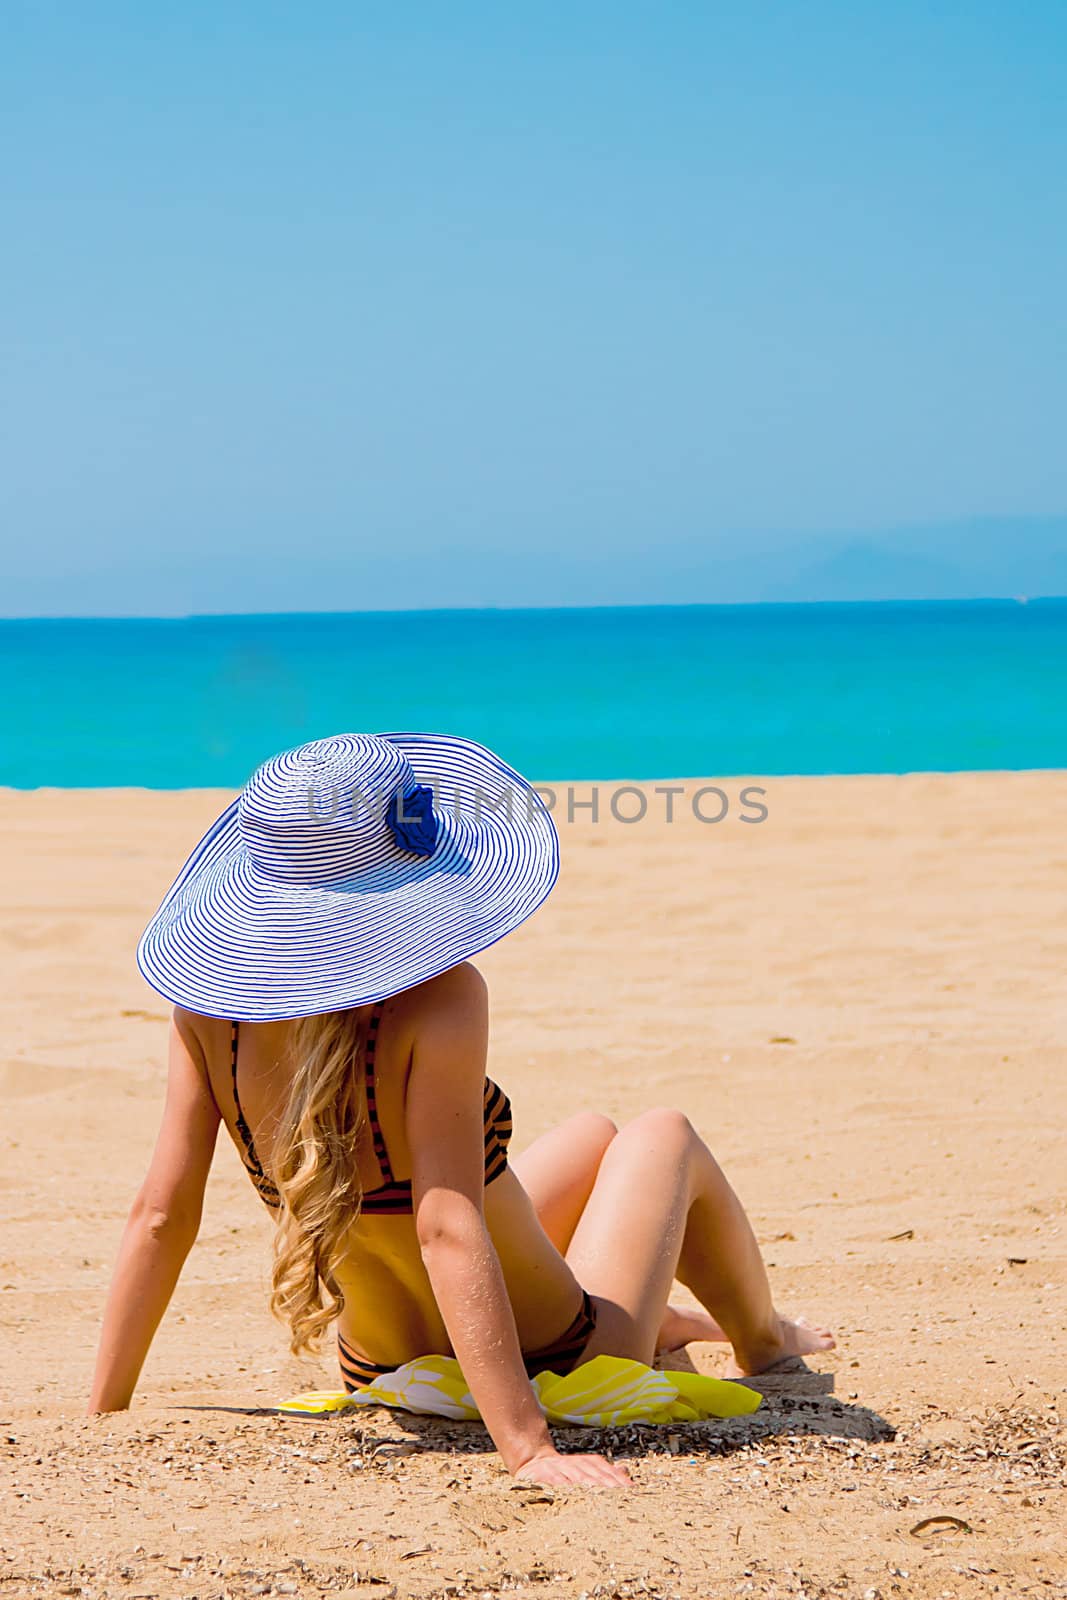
{"x": 412, "y": 822}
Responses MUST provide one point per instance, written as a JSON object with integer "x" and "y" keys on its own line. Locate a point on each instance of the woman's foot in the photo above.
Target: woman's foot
{"x": 680, "y": 1327}
{"x": 792, "y": 1339}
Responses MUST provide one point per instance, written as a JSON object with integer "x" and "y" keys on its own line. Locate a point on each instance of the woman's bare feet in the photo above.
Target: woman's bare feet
{"x": 680, "y": 1327}
{"x": 793, "y": 1338}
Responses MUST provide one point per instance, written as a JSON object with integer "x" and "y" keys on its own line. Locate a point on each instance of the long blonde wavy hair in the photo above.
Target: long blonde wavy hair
{"x": 313, "y": 1164}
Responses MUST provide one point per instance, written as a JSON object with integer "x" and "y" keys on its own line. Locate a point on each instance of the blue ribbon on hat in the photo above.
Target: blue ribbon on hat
{"x": 412, "y": 822}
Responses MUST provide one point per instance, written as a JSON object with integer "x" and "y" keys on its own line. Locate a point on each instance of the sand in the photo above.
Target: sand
{"x": 860, "y": 1001}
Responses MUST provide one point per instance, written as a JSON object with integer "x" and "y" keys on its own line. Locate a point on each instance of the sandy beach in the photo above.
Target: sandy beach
{"x": 859, "y": 1000}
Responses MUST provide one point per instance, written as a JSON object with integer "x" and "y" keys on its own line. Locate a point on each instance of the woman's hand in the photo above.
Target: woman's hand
{"x": 591, "y": 1472}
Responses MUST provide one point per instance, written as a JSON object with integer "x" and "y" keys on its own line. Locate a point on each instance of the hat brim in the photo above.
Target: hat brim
{"x": 229, "y": 941}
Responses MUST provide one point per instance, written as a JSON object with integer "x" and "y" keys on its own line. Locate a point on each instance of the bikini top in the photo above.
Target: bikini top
{"x": 393, "y": 1195}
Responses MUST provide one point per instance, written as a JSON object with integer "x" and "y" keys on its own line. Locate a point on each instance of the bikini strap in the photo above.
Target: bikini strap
{"x": 255, "y": 1166}
{"x": 242, "y": 1126}
{"x": 369, "y": 1048}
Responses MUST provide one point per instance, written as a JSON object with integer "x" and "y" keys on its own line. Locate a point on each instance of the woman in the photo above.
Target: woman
{"x": 316, "y": 947}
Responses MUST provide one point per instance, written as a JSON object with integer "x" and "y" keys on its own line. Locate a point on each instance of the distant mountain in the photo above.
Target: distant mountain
{"x": 981, "y": 558}
{"x": 863, "y": 571}
{"x": 976, "y": 558}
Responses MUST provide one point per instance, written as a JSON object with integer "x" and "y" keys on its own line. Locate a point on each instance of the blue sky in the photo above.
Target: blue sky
{"x": 346, "y": 305}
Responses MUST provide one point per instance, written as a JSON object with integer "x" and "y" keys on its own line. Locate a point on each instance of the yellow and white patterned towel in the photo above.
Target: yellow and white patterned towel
{"x": 605, "y": 1392}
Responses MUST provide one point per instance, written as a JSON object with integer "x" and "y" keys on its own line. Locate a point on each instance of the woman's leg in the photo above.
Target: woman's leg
{"x": 660, "y": 1208}
{"x": 559, "y": 1169}
{"x": 558, "y": 1172}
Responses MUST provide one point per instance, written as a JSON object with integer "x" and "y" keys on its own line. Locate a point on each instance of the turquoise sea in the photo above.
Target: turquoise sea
{"x": 640, "y": 693}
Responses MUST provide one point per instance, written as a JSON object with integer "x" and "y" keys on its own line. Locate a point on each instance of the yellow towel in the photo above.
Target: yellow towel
{"x": 605, "y": 1392}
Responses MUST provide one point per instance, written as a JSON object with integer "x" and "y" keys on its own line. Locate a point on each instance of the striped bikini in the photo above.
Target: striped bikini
{"x": 561, "y": 1356}
{"x": 393, "y": 1197}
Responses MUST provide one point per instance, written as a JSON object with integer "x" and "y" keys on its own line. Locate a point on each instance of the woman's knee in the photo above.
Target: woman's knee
{"x": 594, "y": 1130}
{"x": 666, "y": 1127}
{"x": 663, "y": 1125}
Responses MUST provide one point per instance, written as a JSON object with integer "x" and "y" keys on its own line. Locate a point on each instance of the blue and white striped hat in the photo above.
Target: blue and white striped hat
{"x": 349, "y": 869}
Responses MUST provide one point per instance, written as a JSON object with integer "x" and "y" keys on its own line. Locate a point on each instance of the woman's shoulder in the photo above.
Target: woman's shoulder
{"x": 202, "y": 1036}
{"x": 462, "y": 985}
{"x": 459, "y": 995}
{"x": 454, "y": 998}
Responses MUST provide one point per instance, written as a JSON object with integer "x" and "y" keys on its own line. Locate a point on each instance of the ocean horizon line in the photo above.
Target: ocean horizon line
{"x": 583, "y": 784}
{"x": 576, "y": 607}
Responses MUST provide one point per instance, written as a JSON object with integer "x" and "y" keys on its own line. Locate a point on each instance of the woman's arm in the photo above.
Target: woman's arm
{"x": 162, "y": 1224}
{"x": 447, "y": 1139}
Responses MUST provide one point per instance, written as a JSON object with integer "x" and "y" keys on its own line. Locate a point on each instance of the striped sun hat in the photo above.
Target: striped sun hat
{"x": 349, "y": 869}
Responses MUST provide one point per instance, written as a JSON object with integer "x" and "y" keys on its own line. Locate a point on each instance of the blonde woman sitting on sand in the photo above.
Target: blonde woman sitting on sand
{"x": 316, "y": 948}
